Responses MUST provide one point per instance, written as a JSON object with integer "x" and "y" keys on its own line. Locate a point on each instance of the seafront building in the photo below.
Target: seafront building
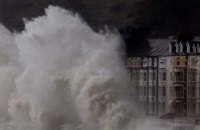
{"x": 166, "y": 74}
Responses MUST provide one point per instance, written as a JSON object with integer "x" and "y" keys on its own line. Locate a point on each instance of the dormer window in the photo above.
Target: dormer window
{"x": 188, "y": 47}
{"x": 194, "y": 49}
{"x": 181, "y": 47}
{"x": 170, "y": 48}
{"x": 177, "y": 47}
{"x": 198, "y": 48}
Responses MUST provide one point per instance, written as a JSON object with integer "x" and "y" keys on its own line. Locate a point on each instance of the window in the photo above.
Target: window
{"x": 164, "y": 91}
{"x": 150, "y": 91}
{"x": 189, "y": 92}
{"x": 153, "y": 91}
{"x": 179, "y": 92}
{"x": 193, "y": 92}
{"x": 145, "y": 91}
{"x": 164, "y": 76}
{"x": 186, "y": 62}
{"x": 192, "y": 76}
{"x": 141, "y": 75}
{"x": 189, "y": 76}
{"x": 171, "y": 76}
{"x": 159, "y": 91}
{"x": 160, "y": 76}
{"x": 178, "y": 62}
{"x": 150, "y": 76}
{"x": 171, "y": 92}
{"x": 145, "y": 76}
{"x": 179, "y": 76}
{"x": 193, "y": 62}
{"x": 154, "y": 76}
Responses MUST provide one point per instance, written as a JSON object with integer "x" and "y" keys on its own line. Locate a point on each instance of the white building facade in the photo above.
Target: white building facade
{"x": 166, "y": 76}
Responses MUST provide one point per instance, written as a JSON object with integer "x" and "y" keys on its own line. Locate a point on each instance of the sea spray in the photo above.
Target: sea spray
{"x": 63, "y": 75}
{"x": 9, "y": 69}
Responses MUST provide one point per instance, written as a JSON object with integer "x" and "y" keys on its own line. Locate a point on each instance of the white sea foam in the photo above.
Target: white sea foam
{"x": 60, "y": 74}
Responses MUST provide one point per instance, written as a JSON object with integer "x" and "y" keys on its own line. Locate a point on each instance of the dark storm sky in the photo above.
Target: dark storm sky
{"x": 161, "y": 16}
